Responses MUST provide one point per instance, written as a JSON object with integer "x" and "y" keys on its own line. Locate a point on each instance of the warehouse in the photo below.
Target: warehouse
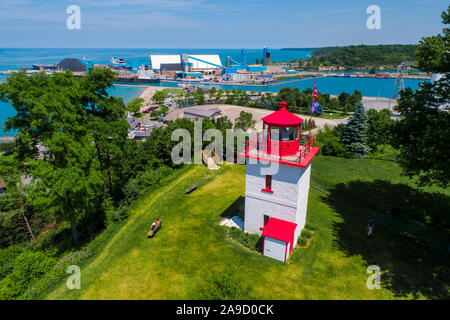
{"x": 157, "y": 60}
{"x": 207, "y": 64}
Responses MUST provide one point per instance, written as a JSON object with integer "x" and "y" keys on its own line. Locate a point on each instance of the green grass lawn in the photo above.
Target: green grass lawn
{"x": 191, "y": 247}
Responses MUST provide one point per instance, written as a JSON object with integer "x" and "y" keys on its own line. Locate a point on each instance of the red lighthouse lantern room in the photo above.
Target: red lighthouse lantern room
{"x": 282, "y": 140}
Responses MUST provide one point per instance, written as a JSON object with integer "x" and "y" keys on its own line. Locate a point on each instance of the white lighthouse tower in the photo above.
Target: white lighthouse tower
{"x": 277, "y": 182}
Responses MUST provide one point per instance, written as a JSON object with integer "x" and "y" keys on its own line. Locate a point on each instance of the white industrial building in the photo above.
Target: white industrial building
{"x": 207, "y": 64}
{"x": 157, "y": 59}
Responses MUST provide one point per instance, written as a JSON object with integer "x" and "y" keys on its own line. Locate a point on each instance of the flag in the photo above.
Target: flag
{"x": 315, "y": 95}
{"x": 316, "y": 107}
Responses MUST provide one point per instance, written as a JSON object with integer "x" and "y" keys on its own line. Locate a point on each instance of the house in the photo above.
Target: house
{"x": 194, "y": 113}
{"x": 138, "y": 130}
{"x": 276, "y": 196}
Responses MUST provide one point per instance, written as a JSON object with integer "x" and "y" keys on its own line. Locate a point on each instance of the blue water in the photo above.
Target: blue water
{"x": 24, "y": 58}
{"x": 370, "y": 87}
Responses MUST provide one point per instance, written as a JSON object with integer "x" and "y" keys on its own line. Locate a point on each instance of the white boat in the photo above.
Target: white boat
{"x": 114, "y": 60}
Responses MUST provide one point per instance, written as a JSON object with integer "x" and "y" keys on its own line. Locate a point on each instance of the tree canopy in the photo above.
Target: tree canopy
{"x": 423, "y": 132}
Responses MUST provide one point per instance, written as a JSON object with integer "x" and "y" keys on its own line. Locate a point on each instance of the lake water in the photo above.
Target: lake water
{"x": 24, "y": 58}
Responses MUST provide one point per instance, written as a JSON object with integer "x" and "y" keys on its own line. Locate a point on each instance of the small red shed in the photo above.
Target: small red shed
{"x": 278, "y": 239}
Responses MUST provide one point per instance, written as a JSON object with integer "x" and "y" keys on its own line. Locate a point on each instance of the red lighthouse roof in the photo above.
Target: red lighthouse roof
{"x": 283, "y": 118}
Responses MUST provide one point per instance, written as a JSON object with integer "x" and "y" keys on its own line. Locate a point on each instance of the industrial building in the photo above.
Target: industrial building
{"x": 185, "y": 65}
{"x": 198, "y": 66}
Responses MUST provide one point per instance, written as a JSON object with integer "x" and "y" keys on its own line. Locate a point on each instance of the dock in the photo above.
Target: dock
{"x": 7, "y": 139}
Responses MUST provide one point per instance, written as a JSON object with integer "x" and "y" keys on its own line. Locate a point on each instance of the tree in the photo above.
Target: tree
{"x": 244, "y": 121}
{"x": 159, "y": 96}
{"x": 379, "y": 128}
{"x": 135, "y": 105}
{"x": 354, "y": 136}
{"x": 212, "y": 92}
{"x": 330, "y": 143}
{"x": 83, "y": 129}
{"x": 343, "y": 97}
{"x": 199, "y": 96}
{"x": 433, "y": 52}
{"x": 13, "y": 204}
{"x": 423, "y": 132}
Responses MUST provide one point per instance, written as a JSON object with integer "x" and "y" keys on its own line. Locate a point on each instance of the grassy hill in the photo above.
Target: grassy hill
{"x": 191, "y": 247}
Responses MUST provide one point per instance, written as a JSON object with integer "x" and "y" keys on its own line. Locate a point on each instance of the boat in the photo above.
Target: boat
{"x": 114, "y": 60}
{"x": 49, "y": 67}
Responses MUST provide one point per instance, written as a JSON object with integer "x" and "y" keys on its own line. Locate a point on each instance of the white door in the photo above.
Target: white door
{"x": 274, "y": 248}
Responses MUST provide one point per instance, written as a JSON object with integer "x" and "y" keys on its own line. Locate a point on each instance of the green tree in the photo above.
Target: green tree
{"x": 60, "y": 112}
{"x": 212, "y": 92}
{"x": 423, "y": 132}
{"x": 199, "y": 96}
{"x": 343, "y": 97}
{"x": 135, "y": 105}
{"x": 354, "y": 136}
{"x": 433, "y": 53}
{"x": 159, "y": 96}
{"x": 244, "y": 121}
{"x": 379, "y": 128}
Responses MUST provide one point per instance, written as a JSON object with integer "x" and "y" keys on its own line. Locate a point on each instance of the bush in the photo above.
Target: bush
{"x": 248, "y": 240}
{"x": 7, "y": 258}
{"x": 310, "y": 227}
{"x": 330, "y": 143}
{"x": 224, "y": 286}
{"x": 385, "y": 152}
{"x": 29, "y": 266}
{"x": 307, "y": 234}
{"x": 302, "y": 241}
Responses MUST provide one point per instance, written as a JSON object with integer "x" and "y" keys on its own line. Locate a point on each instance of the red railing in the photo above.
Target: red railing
{"x": 258, "y": 143}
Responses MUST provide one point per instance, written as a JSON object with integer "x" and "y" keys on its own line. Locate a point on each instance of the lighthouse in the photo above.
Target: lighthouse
{"x": 278, "y": 169}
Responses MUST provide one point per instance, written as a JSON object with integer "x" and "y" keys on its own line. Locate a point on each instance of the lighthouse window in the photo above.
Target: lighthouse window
{"x": 266, "y": 219}
{"x": 269, "y": 182}
{"x": 289, "y": 134}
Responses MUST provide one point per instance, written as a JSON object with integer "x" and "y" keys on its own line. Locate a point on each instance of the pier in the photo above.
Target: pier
{"x": 7, "y": 139}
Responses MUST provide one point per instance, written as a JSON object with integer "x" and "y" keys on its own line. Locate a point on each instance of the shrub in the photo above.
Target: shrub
{"x": 7, "y": 258}
{"x": 310, "y": 227}
{"x": 302, "y": 241}
{"x": 224, "y": 286}
{"x": 385, "y": 152}
{"x": 29, "y": 266}
{"x": 248, "y": 240}
{"x": 330, "y": 144}
{"x": 307, "y": 234}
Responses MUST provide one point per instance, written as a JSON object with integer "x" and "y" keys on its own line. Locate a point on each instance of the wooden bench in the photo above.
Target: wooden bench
{"x": 191, "y": 188}
{"x": 151, "y": 233}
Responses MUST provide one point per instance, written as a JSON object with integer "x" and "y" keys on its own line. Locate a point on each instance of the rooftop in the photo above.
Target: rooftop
{"x": 282, "y": 117}
{"x": 202, "y": 112}
{"x": 279, "y": 229}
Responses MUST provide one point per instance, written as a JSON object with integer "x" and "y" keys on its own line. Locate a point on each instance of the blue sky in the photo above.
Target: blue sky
{"x": 215, "y": 23}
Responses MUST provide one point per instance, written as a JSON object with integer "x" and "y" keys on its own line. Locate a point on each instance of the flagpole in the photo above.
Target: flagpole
{"x": 310, "y": 120}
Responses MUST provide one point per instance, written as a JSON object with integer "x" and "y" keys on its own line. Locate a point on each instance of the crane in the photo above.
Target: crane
{"x": 399, "y": 80}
